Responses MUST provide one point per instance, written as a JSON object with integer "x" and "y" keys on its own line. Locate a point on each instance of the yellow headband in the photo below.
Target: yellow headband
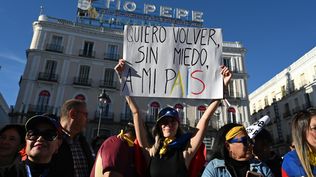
{"x": 233, "y": 132}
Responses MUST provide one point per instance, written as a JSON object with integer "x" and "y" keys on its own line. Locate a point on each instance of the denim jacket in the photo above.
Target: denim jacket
{"x": 217, "y": 168}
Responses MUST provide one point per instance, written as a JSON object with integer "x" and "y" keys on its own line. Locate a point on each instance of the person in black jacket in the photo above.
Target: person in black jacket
{"x": 75, "y": 156}
{"x": 42, "y": 142}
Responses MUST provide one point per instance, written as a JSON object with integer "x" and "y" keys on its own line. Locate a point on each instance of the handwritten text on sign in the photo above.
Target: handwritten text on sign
{"x": 172, "y": 62}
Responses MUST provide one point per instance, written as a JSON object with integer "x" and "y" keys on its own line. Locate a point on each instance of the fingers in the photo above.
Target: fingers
{"x": 225, "y": 71}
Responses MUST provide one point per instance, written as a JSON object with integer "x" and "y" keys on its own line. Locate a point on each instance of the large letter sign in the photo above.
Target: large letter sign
{"x": 172, "y": 62}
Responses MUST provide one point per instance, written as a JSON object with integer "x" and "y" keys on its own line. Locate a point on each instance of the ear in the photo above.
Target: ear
{"x": 227, "y": 146}
{"x": 72, "y": 113}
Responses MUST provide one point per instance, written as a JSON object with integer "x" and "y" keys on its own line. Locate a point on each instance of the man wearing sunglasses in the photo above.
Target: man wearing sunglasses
{"x": 42, "y": 142}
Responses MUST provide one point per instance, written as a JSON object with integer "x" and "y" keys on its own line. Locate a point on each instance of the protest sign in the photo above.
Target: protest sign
{"x": 256, "y": 127}
{"x": 172, "y": 62}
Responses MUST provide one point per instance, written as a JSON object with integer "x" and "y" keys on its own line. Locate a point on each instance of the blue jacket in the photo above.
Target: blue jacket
{"x": 292, "y": 167}
{"x": 217, "y": 168}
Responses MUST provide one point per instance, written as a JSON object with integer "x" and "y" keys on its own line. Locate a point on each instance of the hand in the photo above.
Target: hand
{"x": 119, "y": 68}
{"x": 227, "y": 75}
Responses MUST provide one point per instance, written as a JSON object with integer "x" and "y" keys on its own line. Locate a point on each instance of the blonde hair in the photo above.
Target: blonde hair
{"x": 300, "y": 128}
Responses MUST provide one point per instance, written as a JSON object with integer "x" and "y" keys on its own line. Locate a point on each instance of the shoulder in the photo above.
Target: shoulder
{"x": 17, "y": 169}
{"x": 214, "y": 168}
{"x": 259, "y": 166}
{"x": 113, "y": 143}
{"x": 291, "y": 162}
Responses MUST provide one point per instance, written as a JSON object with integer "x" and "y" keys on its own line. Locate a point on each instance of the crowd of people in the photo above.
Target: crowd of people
{"x": 51, "y": 148}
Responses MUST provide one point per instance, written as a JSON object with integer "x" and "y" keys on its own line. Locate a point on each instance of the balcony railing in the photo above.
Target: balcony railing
{"x": 54, "y": 48}
{"x": 82, "y": 81}
{"x": 127, "y": 117}
{"x": 105, "y": 116}
{"x": 107, "y": 84}
{"x": 40, "y": 109}
{"x": 47, "y": 76}
{"x": 112, "y": 56}
{"x": 150, "y": 118}
{"x": 87, "y": 53}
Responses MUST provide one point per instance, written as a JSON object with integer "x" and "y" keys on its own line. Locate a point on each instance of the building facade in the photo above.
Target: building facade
{"x": 290, "y": 91}
{"x": 72, "y": 60}
{"x": 4, "y": 112}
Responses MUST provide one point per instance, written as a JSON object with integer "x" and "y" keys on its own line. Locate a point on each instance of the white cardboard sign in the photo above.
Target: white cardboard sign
{"x": 172, "y": 62}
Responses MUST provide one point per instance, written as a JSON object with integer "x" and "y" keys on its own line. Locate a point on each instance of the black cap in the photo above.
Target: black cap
{"x": 33, "y": 121}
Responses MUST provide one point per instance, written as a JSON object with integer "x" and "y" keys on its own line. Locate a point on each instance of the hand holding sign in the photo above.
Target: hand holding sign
{"x": 256, "y": 127}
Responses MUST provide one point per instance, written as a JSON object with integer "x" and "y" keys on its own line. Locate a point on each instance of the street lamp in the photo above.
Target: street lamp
{"x": 104, "y": 99}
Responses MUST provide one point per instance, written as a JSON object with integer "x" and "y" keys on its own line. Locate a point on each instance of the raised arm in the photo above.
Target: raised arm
{"x": 197, "y": 139}
{"x": 139, "y": 125}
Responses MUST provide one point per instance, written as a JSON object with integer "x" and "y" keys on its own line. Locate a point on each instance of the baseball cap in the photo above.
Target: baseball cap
{"x": 168, "y": 112}
{"x": 33, "y": 121}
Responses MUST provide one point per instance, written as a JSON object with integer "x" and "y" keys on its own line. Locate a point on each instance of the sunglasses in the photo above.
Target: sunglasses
{"x": 48, "y": 135}
{"x": 244, "y": 140}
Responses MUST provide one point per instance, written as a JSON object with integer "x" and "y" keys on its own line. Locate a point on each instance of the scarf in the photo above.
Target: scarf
{"x": 126, "y": 138}
{"x": 164, "y": 147}
{"x": 312, "y": 157}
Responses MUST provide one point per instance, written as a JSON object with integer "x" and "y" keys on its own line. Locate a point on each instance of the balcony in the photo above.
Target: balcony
{"x": 107, "y": 84}
{"x": 47, "y": 77}
{"x": 105, "y": 116}
{"x": 127, "y": 117}
{"x": 54, "y": 48}
{"x": 112, "y": 56}
{"x": 150, "y": 119}
{"x": 87, "y": 53}
{"x": 40, "y": 109}
{"x": 82, "y": 81}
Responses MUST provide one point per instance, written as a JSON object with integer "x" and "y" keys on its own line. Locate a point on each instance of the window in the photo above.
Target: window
{"x": 283, "y": 90}
{"x": 49, "y": 72}
{"x": 227, "y": 62}
{"x": 286, "y": 112}
{"x": 154, "y": 107}
{"x": 42, "y": 102}
{"x": 56, "y": 44}
{"x": 83, "y": 76}
{"x": 200, "y": 110}
{"x": 87, "y": 49}
{"x": 50, "y": 67}
{"x": 179, "y": 108}
{"x": 84, "y": 73}
{"x": 113, "y": 52}
{"x": 127, "y": 116}
{"x": 232, "y": 115}
{"x": 57, "y": 40}
{"x": 108, "y": 78}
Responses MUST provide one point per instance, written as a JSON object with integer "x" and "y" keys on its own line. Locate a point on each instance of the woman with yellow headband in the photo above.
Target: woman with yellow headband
{"x": 302, "y": 160}
{"x": 171, "y": 153}
{"x": 232, "y": 156}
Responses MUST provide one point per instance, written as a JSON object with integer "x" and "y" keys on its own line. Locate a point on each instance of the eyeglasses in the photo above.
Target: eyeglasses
{"x": 244, "y": 140}
{"x": 48, "y": 135}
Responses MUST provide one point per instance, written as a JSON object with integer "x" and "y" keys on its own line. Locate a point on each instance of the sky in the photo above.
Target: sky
{"x": 275, "y": 33}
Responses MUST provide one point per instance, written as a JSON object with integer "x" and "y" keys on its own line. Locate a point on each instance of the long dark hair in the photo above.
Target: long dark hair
{"x": 220, "y": 151}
